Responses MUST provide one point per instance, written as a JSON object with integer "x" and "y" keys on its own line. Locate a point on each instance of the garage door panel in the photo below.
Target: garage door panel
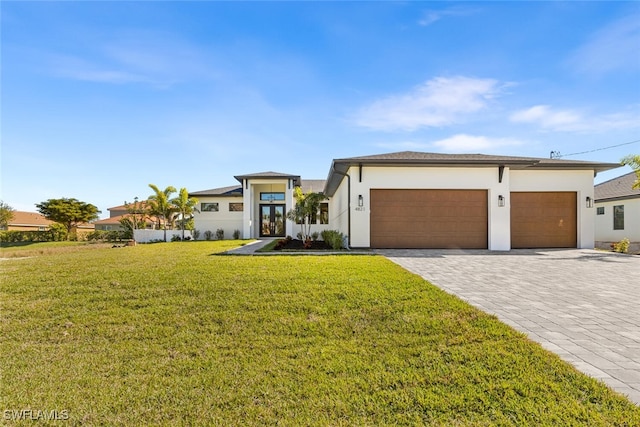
{"x": 543, "y": 220}
{"x": 428, "y": 218}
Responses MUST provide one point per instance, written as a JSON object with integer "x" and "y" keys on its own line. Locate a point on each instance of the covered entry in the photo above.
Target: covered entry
{"x": 430, "y": 219}
{"x": 543, "y": 220}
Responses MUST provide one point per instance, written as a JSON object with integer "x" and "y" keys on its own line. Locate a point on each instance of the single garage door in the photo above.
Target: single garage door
{"x": 543, "y": 220}
{"x": 430, "y": 219}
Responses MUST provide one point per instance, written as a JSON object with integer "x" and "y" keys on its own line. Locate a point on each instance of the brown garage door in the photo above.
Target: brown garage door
{"x": 429, "y": 219}
{"x": 543, "y": 220}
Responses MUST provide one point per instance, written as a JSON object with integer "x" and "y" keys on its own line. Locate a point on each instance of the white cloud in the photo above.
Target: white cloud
{"x": 473, "y": 143}
{"x": 550, "y": 119}
{"x": 614, "y": 47}
{"x": 431, "y": 16}
{"x": 438, "y": 102}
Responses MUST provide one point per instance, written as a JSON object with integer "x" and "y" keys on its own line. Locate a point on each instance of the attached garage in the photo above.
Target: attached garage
{"x": 543, "y": 220}
{"x": 429, "y": 219}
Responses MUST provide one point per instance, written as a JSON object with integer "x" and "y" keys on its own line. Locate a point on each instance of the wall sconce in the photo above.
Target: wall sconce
{"x": 501, "y": 201}
{"x": 589, "y": 202}
{"x": 360, "y": 201}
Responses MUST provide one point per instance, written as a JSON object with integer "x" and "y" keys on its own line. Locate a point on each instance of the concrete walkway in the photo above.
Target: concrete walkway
{"x": 583, "y": 305}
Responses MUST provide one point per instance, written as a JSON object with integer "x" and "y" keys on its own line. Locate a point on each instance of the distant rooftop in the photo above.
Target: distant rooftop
{"x": 617, "y": 188}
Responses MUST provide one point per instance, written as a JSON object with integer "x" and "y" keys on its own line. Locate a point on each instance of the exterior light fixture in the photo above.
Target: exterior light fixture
{"x": 360, "y": 201}
{"x": 589, "y": 202}
{"x": 501, "y": 201}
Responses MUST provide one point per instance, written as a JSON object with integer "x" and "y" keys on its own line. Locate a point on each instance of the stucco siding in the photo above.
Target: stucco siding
{"x": 604, "y": 222}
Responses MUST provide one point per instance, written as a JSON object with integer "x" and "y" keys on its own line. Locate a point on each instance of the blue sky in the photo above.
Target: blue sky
{"x": 99, "y": 99}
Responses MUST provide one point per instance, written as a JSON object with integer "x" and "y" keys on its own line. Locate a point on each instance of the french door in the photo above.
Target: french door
{"x": 272, "y": 221}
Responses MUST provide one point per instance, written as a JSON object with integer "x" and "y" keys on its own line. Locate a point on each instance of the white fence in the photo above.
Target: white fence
{"x": 146, "y": 236}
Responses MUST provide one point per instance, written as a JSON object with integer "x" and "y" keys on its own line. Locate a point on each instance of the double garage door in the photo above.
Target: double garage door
{"x": 448, "y": 219}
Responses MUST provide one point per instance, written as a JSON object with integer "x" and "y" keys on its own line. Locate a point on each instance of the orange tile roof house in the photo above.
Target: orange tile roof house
{"x": 118, "y": 213}
{"x": 28, "y": 221}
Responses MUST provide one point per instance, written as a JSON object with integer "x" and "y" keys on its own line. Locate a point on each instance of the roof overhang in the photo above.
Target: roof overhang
{"x": 340, "y": 167}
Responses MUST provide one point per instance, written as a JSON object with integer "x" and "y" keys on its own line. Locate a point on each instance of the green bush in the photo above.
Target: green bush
{"x": 14, "y": 236}
{"x": 106, "y": 236}
{"x": 196, "y": 234}
{"x": 236, "y": 234}
{"x": 208, "y": 235}
{"x": 219, "y": 234}
{"x": 333, "y": 238}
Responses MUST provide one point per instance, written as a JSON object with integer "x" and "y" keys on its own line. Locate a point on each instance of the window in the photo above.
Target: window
{"x": 600, "y": 210}
{"x": 209, "y": 207}
{"x": 272, "y": 197}
{"x": 618, "y": 217}
{"x": 324, "y": 213}
{"x": 236, "y": 207}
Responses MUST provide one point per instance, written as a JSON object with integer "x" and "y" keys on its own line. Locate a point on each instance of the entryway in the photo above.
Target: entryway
{"x": 272, "y": 220}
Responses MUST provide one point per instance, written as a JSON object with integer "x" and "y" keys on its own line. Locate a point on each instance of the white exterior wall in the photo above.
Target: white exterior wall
{"x": 604, "y": 223}
{"x": 339, "y": 209}
{"x": 224, "y": 219}
{"x": 579, "y": 181}
{"x": 430, "y": 178}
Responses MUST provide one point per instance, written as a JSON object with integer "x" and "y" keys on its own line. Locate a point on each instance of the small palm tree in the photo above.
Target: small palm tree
{"x": 160, "y": 205}
{"x": 185, "y": 206}
{"x": 633, "y": 160}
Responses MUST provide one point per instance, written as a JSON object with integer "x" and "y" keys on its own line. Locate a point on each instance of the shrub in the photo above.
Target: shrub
{"x": 176, "y": 238}
{"x": 315, "y": 235}
{"x": 333, "y": 238}
{"x": 106, "y": 236}
{"x": 208, "y": 235}
{"x": 622, "y": 246}
{"x": 300, "y": 236}
{"x": 236, "y": 234}
{"x": 196, "y": 234}
{"x": 219, "y": 234}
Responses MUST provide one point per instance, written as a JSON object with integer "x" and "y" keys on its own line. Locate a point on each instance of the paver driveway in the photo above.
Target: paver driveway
{"x": 583, "y": 305}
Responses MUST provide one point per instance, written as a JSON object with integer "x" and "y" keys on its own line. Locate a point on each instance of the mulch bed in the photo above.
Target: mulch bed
{"x": 296, "y": 244}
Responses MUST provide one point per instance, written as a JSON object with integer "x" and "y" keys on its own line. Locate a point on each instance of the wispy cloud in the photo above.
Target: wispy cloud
{"x": 134, "y": 58}
{"x": 438, "y": 102}
{"x": 459, "y": 143}
{"x": 567, "y": 120}
{"x": 614, "y": 47}
{"x": 431, "y": 16}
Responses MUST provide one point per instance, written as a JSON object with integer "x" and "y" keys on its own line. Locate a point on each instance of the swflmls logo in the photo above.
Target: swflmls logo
{"x": 35, "y": 415}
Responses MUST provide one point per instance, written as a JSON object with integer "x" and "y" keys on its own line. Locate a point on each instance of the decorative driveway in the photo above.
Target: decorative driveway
{"x": 583, "y": 305}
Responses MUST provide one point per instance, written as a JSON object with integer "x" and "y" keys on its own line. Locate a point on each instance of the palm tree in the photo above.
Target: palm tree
{"x": 160, "y": 205}
{"x": 185, "y": 206}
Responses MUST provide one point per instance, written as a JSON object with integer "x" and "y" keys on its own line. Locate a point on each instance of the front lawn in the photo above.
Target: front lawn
{"x": 167, "y": 334}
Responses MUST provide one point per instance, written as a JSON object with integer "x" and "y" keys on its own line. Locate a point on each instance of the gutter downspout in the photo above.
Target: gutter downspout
{"x": 348, "y": 205}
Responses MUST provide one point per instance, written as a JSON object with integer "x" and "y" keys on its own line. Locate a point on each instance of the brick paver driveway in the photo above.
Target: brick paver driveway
{"x": 583, "y": 305}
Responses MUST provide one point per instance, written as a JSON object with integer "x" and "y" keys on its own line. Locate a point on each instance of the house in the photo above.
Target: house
{"x": 118, "y": 213}
{"x": 422, "y": 200}
{"x": 34, "y": 221}
{"x": 28, "y": 221}
{"x": 617, "y": 212}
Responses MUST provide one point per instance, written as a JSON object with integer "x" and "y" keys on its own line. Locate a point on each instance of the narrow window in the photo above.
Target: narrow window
{"x": 618, "y": 217}
{"x": 600, "y": 210}
{"x": 324, "y": 213}
{"x": 236, "y": 207}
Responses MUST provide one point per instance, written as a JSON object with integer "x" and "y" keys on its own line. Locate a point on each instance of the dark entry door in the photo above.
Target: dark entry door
{"x": 272, "y": 221}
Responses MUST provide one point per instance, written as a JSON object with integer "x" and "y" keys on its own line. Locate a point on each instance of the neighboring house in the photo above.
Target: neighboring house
{"x": 117, "y": 213}
{"x": 28, "y": 221}
{"x": 422, "y": 200}
{"x": 617, "y": 212}
{"x": 34, "y": 221}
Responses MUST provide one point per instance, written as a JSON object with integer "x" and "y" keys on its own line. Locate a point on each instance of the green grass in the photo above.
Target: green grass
{"x": 167, "y": 334}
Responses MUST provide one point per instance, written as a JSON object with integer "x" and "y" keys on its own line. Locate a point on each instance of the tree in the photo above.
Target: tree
{"x": 6, "y": 215}
{"x": 185, "y": 206}
{"x": 633, "y": 160}
{"x": 160, "y": 205}
{"x": 68, "y": 212}
{"x": 305, "y": 211}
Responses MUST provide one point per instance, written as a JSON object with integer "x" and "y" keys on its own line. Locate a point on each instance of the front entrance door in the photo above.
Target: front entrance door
{"x": 272, "y": 221}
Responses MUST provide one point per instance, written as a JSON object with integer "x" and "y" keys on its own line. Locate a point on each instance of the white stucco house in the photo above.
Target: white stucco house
{"x": 617, "y": 212}
{"x": 422, "y": 200}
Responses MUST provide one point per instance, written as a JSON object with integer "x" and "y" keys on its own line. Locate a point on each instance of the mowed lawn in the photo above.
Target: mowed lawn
{"x": 170, "y": 334}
